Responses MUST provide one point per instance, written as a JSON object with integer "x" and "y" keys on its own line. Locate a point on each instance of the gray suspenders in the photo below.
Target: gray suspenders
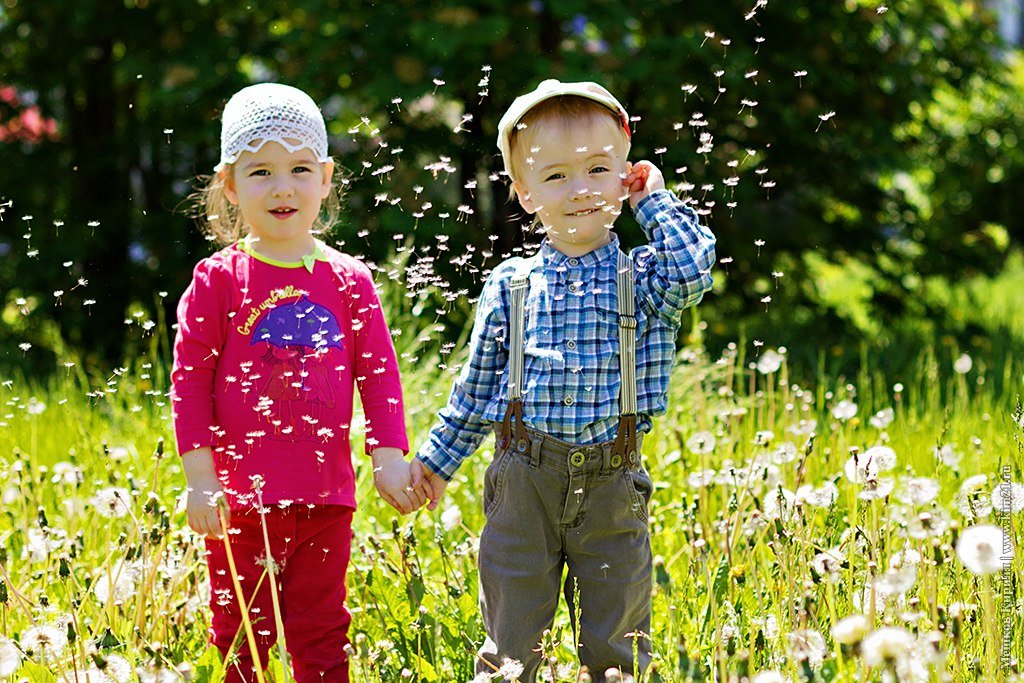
{"x": 625, "y": 448}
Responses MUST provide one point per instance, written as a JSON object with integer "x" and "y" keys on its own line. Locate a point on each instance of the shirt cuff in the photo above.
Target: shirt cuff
{"x": 653, "y": 204}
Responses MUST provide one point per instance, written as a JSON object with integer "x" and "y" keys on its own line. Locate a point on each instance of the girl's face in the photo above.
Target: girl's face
{"x": 279, "y": 194}
{"x": 571, "y": 178}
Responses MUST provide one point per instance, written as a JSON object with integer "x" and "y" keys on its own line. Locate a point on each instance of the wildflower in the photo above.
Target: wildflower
{"x": 784, "y": 452}
{"x": 157, "y": 674}
{"x": 41, "y": 542}
{"x": 701, "y": 479}
{"x": 10, "y": 658}
{"x": 510, "y": 669}
{"x": 883, "y": 456}
{"x": 451, "y": 518}
{"x": 769, "y": 362}
{"x": 118, "y": 584}
{"x": 1008, "y": 497}
{"x": 764, "y": 438}
{"x": 111, "y": 502}
{"x": 882, "y": 419}
{"x": 963, "y": 364}
{"x": 769, "y": 626}
{"x": 44, "y": 642}
{"x": 35, "y": 406}
{"x": 701, "y": 443}
{"x": 931, "y": 524}
{"x": 828, "y": 562}
{"x": 851, "y": 630}
{"x": 807, "y": 645}
{"x": 897, "y": 581}
{"x": 779, "y": 504}
{"x": 66, "y": 473}
{"x": 803, "y": 427}
{"x": 905, "y": 557}
{"x": 886, "y": 646}
{"x": 947, "y": 455}
{"x": 844, "y": 410}
{"x": 981, "y": 550}
{"x": 970, "y": 500}
{"x": 859, "y": 469}
{"x": 770, "y": 677}
{"x": 876, "y": 489}
{"x": 822, "y": 497}
{"x": 917, "y": 490}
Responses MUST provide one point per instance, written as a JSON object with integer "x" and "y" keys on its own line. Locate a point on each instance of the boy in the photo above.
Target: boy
{"x": 566, "y": 487}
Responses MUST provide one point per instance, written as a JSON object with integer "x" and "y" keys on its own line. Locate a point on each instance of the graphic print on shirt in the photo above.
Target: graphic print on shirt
{"x": 300, "y": 338}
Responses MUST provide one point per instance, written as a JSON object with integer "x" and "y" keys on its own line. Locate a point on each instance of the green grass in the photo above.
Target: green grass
{"x": 734, "y": 584}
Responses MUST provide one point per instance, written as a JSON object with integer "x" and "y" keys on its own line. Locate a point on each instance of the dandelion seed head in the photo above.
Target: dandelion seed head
{"x": 981, "y": 549}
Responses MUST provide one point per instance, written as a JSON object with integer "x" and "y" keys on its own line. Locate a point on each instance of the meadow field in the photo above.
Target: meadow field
{"x": 847, "y": 529}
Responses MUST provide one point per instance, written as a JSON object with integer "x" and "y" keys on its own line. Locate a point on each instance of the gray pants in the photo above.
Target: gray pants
{"x": 554, "y": 505}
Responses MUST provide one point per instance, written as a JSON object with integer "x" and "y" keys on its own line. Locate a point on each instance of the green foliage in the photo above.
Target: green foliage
{"x": 911, "y": 177}
{"x": 727, "y": 563}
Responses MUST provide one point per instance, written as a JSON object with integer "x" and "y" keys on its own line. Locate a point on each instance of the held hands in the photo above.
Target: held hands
{"x": 393, "y": 478}
{"x": 642, "y": 178}
{"x": 424, "y": 479}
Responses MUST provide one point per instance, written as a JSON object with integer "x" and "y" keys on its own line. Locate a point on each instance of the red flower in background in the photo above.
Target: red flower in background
{"x": 20, "y": 123}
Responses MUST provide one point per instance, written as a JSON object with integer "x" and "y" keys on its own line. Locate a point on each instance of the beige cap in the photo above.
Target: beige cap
{"x": 545, "y": 91}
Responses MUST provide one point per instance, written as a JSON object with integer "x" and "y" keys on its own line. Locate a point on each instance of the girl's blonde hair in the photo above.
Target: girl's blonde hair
{"x": 222, "y": 222}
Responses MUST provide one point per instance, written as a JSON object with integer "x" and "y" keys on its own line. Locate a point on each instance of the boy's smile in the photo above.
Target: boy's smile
{"x": 571, "y": 178}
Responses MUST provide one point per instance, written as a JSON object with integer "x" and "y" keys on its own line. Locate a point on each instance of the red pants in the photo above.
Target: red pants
{"x": 311, "y": 547}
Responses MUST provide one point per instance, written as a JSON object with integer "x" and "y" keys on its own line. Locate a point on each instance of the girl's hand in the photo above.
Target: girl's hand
{"x": 429, "y": 484}
{"x": 201, "y": 507}
{"x": 392, "y": 476}
{"x": 204, "y": 493}
{"x": 642, "y": 178}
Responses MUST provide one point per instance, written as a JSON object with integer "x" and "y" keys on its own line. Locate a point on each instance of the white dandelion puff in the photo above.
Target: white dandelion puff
{"x": 983, "y": 549}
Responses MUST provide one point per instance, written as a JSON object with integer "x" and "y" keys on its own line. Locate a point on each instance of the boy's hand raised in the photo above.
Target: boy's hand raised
{"x": 392, "y": 477}
{"x": 427, "y": 483}
{"x": 642, "y": 178}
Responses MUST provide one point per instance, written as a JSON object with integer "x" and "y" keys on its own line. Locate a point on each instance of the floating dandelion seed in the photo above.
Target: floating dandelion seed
{"x": 822, "y": 118}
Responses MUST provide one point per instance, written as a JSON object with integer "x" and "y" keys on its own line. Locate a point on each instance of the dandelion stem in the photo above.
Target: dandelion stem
{"x": 246, "y": 624}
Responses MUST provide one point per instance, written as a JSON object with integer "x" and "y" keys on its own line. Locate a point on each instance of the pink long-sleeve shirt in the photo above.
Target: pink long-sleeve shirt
{"x": 265, "y": 360}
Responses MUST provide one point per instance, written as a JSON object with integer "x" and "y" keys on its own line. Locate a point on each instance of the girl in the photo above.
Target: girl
{"x": 274, "y": 331}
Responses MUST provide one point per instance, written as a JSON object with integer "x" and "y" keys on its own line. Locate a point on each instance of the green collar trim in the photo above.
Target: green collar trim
{"x": 307, "y": 261}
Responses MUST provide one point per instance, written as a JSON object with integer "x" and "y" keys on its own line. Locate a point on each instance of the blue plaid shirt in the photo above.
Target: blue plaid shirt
{"x": 571, "y": 370}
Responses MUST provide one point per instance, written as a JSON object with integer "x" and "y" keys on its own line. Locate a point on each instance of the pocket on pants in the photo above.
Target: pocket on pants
{"x": 494, "y": 477}
{"x": 640, "y": 488}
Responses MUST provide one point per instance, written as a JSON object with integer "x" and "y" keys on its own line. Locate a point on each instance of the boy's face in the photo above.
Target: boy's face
{"x": 279, "y": 194}
{"x": 570, "y": 176}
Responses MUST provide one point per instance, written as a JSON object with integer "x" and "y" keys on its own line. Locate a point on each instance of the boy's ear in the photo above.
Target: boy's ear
{"x": 525, "y": 200}
{"x": 228, "y": 177}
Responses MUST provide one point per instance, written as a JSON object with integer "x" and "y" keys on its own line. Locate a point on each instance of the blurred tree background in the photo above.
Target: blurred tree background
{"x": 856, "y": 160}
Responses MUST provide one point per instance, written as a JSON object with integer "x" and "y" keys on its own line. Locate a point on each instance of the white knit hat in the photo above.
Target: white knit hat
{"x": 545, "y": 91}
{"x": 269, "y": 112}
